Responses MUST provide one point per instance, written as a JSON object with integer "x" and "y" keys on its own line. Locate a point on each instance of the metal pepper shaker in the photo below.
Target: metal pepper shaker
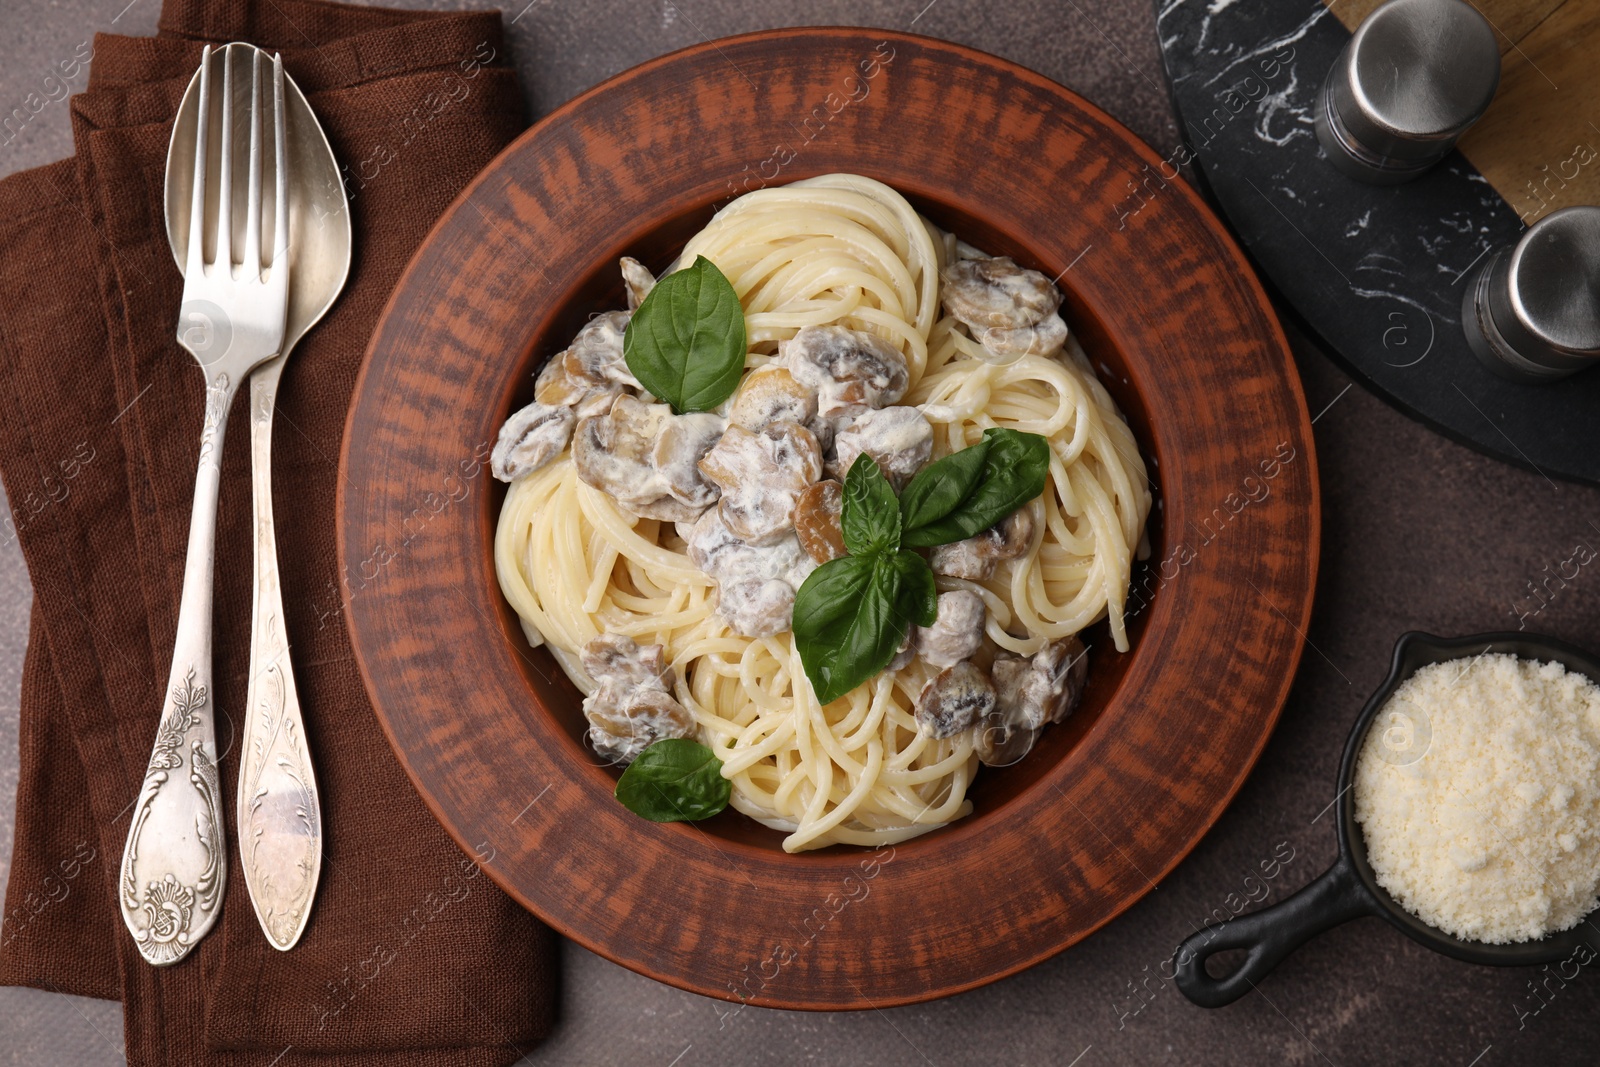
{"x": 1532, "y": 311}
{"x": 1414, "y": 77}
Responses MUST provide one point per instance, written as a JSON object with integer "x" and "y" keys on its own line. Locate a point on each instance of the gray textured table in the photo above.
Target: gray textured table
{"x": 1418, "y": 533}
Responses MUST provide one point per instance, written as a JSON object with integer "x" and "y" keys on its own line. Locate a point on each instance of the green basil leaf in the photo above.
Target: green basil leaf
{"x": 941, "y": 485}
{"x": 848, "y": 622}
{"x": 686, "y": 342}
{"x": 674, "y": 780}
{"x": 871, "y": 518}
{"x": 828, "y": 597}
{"x": 917, "y": 598}
{"x": 1015, "y": 468}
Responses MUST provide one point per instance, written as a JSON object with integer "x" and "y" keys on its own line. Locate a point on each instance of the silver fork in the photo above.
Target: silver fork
{"x": 175, "y": 863}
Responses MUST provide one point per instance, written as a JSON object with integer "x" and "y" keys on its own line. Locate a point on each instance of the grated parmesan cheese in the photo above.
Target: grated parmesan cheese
{"x": 1478, "y": 792}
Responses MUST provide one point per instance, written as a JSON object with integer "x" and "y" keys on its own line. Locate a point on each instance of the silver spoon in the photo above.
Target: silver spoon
{"x": 279, "y": 813}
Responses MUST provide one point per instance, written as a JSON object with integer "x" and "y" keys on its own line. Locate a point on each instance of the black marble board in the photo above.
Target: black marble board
{"x": 1376, "y": 272}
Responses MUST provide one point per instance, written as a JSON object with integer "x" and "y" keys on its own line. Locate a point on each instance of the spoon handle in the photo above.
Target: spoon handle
{"x": 174, "y": 865}
{"x": 279, "y": 812}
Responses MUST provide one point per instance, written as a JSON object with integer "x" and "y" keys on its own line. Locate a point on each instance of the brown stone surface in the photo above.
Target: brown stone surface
{"x": 1418, "y": 533}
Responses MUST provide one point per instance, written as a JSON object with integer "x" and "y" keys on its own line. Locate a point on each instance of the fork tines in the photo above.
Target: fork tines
{"x": 252, "y": 261}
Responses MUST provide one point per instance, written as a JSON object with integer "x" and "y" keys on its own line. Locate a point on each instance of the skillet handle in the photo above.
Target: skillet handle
{"x": 1337, "y": 896}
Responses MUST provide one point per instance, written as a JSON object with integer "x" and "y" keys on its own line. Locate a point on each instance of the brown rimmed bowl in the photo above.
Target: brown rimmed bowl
{"x": 1179, "y": 330}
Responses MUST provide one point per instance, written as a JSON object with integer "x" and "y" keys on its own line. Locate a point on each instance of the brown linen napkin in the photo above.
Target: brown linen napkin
{"x": 411, "y": 955}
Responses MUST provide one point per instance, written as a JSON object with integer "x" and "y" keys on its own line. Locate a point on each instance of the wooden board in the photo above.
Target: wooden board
{"x": 1185, "y": 339}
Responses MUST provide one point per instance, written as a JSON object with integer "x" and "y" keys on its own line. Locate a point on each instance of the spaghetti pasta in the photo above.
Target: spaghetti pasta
{"x": 841, "y": 250}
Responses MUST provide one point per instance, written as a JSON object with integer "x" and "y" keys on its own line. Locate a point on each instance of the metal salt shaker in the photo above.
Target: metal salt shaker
{"x": 1411, "y": 81}
{"x": 1532, "y": 311}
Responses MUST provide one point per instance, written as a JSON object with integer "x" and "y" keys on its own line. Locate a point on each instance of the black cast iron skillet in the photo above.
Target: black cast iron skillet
{"x": 1348, "y": 889}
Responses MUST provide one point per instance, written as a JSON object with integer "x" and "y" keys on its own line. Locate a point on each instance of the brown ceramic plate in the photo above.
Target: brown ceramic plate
{"x": 490, "y": 730}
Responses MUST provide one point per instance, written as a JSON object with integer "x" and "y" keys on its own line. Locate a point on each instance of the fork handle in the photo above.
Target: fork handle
{"x": 279, "y": 812}
{"x": 174, "y": 865}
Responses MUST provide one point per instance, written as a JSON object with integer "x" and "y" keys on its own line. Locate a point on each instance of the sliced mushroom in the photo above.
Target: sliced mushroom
{"x": 749, "y": 576}
{"x": 975, "y": 558}
{"x": 720, "y": 553}
{"x": 899, "y": 438}
{"x": 771, "y": 394}
{"x": 756, "y": 608}
{"x": 556, "y": 387}
{"x": 631, "y": 706}
{"x": 1031, "y": 693}
{"x": 684, "y": 442}
{"x": 996, "y": 292}
{"x": 612, "y": 451}
{"x": 1011, "y": 311}
{"x": 623, "y": 723}
{"x": 531, "y": 437}
{"x": 1000, "y": 742}
{"x": 646, "y": 458}
{"x": 592, "y": 372}
{"x": 957, "y": 697}
{"x": 817, "y": 514}
{"x": 851, "y": 371}
{"x": 1042, "y": 688}
{"x": 826, "y": 430}
{"x": 957, "y": 631}
{"x": 619, "y": 658}
{"x": 761, "y": 475}
{"x": 1064, "y": 666}
{"x": 596, "y": 356}
{"x": 637, "y": 277}
{"x": 1046, "y": 337}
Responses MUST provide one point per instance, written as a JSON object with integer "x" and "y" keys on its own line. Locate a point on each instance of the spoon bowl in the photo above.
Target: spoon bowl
{"x": 319, "y": 214}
